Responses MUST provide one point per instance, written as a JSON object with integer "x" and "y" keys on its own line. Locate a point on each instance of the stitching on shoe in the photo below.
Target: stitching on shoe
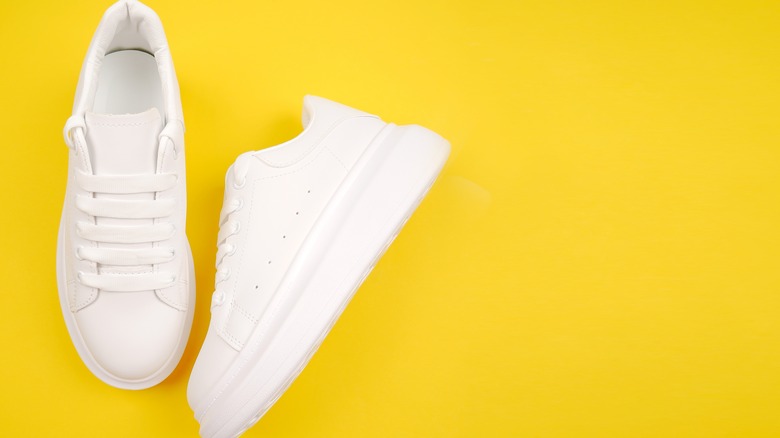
{"x": 81, "y": 304}
{"x": 115, "y": 125}
{"x": 244, "y": 312}
{"x": 336, "y": 158}
{"x": 320, "y": 140}
{"x": 235, "y": 343}
{"x": 304, "y": 166}
{"x": 129, "y": 273}
{"x": 163, "y": 296}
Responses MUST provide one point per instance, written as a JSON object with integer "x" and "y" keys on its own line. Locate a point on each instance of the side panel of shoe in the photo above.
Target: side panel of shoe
{"x": 359, "y": 183}
{"x": 386, "y": 196}
{"x": 280, "y": 206}
{"x": 281, "y": 209}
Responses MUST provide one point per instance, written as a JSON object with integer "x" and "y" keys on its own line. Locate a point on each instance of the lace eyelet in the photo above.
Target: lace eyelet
{"x": 240, "y": 205}
{"x": 236, "y": 227}
{"x": 223, "y": 275}
{"x": 232, "y": 250}
{"x": 173, "y": 147}
{"x": 238, "y": 185}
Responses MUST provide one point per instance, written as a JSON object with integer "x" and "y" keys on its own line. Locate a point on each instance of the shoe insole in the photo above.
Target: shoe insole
{"x": 128, "y": 83}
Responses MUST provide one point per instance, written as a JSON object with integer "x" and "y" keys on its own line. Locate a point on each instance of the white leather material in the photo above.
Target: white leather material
{"x": 127, "y": 336}
{"x": 129, "y": 24}
{"x": 209, "y": 367}
{"x": 281, "y": 205}
{"x": 79, "y": 296}
{"x": 123, "y": 143}
{"x": 280, "y": 208}
{"x": 131, "y": 336}
{"x": 283, "y": 190}
{"x": 138, "y": 72}
{"x": 320, "y": 117}
{"x": 279, "y": 211}
{"x": 126, "y": 145}
{"x": 170, "y": 159}
{"x": 301, "y": 226}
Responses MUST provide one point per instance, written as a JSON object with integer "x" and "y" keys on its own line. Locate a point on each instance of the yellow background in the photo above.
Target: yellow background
{"x": 598, "y": 259}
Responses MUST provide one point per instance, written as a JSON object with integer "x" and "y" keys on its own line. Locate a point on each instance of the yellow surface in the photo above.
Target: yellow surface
{"x": 599, "y": 258}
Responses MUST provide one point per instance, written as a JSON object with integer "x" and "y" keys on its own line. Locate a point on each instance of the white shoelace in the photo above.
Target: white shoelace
{"x": 116, "y": 234}
{"x": 229, "y": 226}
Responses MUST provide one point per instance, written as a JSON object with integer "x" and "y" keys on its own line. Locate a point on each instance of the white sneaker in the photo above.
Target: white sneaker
{"x": 302, "y": 224}
{"x": 124, "y": 268}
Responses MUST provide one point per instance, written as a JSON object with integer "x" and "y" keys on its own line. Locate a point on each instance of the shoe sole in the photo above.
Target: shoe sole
{"x": 383, "y": 190}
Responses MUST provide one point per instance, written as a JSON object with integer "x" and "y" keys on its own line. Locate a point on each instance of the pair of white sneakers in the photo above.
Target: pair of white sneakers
{"x": 301, "y": 226}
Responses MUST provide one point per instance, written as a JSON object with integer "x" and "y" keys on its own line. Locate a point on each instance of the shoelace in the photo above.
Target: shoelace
{"x": 116, "y": 234}
{"x": 228, "y": 226}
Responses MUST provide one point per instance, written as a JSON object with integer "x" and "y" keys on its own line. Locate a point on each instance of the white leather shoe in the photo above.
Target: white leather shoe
{"x": 124, "y": 268}
{"x": 302, "y": 224}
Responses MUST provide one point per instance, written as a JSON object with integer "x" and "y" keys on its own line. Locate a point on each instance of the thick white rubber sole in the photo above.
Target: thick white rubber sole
{"x": 83, "y": 351}
{"x": 365, "y": 215}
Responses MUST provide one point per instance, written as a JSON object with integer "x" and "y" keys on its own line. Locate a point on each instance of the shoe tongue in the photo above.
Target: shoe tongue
{"x": 123, "y": 144}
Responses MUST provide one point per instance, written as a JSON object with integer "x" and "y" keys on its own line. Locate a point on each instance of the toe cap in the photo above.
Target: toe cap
{"x": 212, "y": 363}
{"x": 131, "y": 336}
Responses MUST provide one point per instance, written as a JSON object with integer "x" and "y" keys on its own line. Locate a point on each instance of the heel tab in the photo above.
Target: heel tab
{"x": 132, "y": 10}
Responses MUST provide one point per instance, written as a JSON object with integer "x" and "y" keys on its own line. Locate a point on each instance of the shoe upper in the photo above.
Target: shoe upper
{"x": 272, "y": 200}
{"x": 124, "y": 256}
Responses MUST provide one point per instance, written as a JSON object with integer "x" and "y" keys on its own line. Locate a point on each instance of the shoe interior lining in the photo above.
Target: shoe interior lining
{"x": 128, "y": 83}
